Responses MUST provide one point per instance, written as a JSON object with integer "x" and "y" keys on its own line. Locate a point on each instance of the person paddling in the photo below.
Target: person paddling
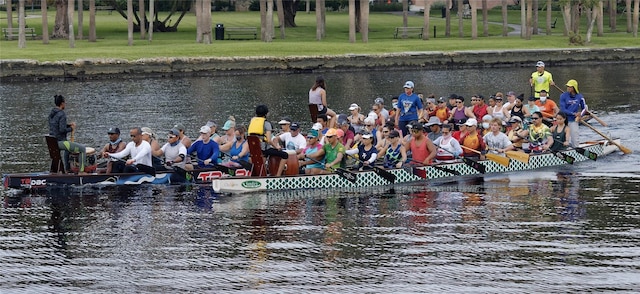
{"x": 138, "y": 149}
{"x": 59, "y": 129}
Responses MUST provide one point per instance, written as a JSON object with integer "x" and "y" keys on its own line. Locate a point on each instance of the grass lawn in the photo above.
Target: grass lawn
{"x": 299, "y": 41}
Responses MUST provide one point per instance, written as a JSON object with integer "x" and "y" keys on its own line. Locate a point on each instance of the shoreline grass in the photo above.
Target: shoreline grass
{"x": 299, "y": 41}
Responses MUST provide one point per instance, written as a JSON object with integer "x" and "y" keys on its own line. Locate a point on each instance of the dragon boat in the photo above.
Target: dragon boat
{"x": 355, "y": 180}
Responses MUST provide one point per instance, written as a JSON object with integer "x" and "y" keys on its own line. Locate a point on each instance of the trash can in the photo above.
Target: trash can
{"x": 444, "y": 12}
{"x": 219, "y": 31}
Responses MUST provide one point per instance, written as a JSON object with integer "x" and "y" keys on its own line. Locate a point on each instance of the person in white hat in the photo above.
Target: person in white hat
{"x": 356, "y": 118}
{"x": 409, "y": 106}
{"x": 472, "y": 139}
{"x": 541, "y": 79}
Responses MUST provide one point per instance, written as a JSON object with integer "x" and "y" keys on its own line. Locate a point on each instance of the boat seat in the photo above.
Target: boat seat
{"x": 54, "y": 152}
{"x": 255, "y": 153}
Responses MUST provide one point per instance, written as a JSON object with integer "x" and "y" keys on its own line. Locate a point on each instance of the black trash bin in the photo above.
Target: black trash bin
{"x": 444, "y": 12}
{"x": 219, "y": 31}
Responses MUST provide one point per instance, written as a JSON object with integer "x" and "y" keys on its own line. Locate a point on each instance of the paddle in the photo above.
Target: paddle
{"x": 624, "y": 150}
{"x": 493, "y": 157}
{"x": 347, "y": 175}
{"x": 587, "y": 153}
{"x": 245, "y": 164}
{"x": 519, "y": 156}
{"x": 380, "y": 172}
{"x": 470, "y": 162}
{"x": 566, "y": 157}
{"x": 442, "y": 168}
{"x": 604, "y": 124}
{"x": 150, "y": 170}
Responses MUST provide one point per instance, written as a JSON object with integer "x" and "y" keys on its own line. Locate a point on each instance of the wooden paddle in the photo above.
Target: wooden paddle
{"x": 380, "y": 172}
{"x": 604, "y": 124}
{"x": 624, "y": 150}
{"x": 347, "y": 175}
{"x": 493, "y": 157}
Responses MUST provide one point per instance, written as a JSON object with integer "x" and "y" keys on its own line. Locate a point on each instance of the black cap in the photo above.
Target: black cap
{"x": 113, "y": 131}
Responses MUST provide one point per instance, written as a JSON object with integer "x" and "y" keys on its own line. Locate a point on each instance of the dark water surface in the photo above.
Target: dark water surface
{"x": 568, "y": 229}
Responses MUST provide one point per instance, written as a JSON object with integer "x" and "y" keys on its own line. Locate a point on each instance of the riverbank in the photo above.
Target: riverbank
{"x": 89, "y": 69}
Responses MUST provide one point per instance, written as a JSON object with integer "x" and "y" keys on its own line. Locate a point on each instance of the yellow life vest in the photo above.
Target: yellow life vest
{"x": 256, "y": 126}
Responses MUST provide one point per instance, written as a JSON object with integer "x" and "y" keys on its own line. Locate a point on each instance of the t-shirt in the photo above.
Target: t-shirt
{"x": 293, "y": 143}
{"x": 331, "y": 153}
{"x": 310, "y": 150}
{"x": 171, "y": 153}
{"x": 409, "y": 106}
{"x": 205, "y": 151}
{"x": 547, "y": 108}
{"x": 499, "y": 141}
{"x": 541, "y": 81}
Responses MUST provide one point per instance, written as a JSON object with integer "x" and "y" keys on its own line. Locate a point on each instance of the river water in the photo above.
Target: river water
{"x": 567, "y": 229}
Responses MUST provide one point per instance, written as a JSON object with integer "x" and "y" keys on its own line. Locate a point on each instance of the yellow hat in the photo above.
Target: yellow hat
{"x": 574, "y": 84}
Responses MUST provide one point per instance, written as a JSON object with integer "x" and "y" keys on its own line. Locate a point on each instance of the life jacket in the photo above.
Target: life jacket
{"x": 256, "y": 126}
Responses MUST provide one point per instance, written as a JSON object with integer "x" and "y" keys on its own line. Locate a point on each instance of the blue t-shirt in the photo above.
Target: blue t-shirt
{"x": 205, "y": 151}
{"x": 571, "y": 104}
{"x": 409, "y": 106}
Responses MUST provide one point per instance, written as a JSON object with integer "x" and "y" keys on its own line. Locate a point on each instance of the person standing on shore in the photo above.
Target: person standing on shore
{"x": 59, "y": 129}
{"x": 541, "y": 79}
{"x": 318, "y": 96}
{"x": 573, "y": 105}
{"x": 409, "y": 107}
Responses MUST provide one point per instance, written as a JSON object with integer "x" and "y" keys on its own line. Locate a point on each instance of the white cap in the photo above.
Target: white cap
{"x": 408, "y": 84}
{"x": 317, "y": 126}
{"x": 471, "y": 122}
{"x": 205, "y": 130}
{"x": 354, "y": 106}
{"x": 540, "y": 63}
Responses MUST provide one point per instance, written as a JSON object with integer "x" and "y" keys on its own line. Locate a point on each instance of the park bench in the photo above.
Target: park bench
{"x": 241, "y": 32}
{"x": 108, "y": 8}
{"x": 13, "y": 33}
{"x": 406, "y": 31}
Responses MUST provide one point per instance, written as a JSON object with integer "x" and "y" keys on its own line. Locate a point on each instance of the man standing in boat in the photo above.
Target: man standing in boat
{"x": 140, "y": 151}
{"x": 59, "y": 129}
{"x": 541, "y": 79}
{"x": 573, "y": 105}
{"x": 409, "y": 108}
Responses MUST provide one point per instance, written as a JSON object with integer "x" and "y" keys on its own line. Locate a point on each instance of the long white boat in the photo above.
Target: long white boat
{"x": 356, "y": 180}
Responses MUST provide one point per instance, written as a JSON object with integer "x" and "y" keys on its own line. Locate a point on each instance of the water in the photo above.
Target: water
{"x": 568, "y": 229}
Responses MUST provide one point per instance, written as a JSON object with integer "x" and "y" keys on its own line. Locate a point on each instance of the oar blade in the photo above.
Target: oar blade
{"x": 385, "y": 174}
{"x": 146, "y": 169}
{"x": 474, "y": 164}
{"x": 519, "y": 156}
{"x": 566, "y": 157}
{"x": 501, "y": 160}
{"x": 624, "y": 149}
{"x": 347, "y": 175}
{"x": 448, "y": 170}
{"x": 587, "y": 153}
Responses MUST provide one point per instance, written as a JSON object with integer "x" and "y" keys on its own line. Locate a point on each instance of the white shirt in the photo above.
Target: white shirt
{"x": 171, "y": 153}
{"x": 141, "y": 154}
{"x": 499, "y": 141}
{"x": 293, "y": 143}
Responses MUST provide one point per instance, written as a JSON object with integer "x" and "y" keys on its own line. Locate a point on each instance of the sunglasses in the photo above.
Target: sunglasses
{"x": 415, "y": 131}
{"x": 458, "y": 101}
{"x": 172, "y": 136}
{"x": 445, "y": 133}
{"x": 535, "y": 117}
{"x": 329, "y": 137}
{"x": 385, "y": 132}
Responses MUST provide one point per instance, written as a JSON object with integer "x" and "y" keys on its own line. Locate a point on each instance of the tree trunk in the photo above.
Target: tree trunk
{"x": 485, "y": 19}
{"x": 208, "y": 23}
{"x": 474, "y": 18}
{"x": 352, "y": 21}
{"x": 447, "y": 25}
{"x": 60, "y": 27}
{"x": 575, "y": 19}
{"x": 143, "y": 21}
{"x": 319, "y": 20}
{"x": 613, "y": 13}
{"x": 80, "y": 20}
{"x": 566, "y": 17}
{"x": 529, "y": 19}
{"x": 505, "y": 24}
{"x": 130, "y": 22}
{"x": 534, "y": 20}
{"x": 636, "y": 15}
{"x": 72, "y": 38}
{"x": 427, "y": 15}
{"x": 281, "y": 21}
{"x": 22, "y": 38}
{"x": 460, "y": 20}
{"x": 364, "y": 20}
{"x": 269, "y": 32}
{"x": 9, "y": 17}
{"x": 290, "y": 10}
{"x": 548, "y": 26}
{"x": 92, "y": 21}
{"x": 600, "y": 20}
{"x": 523, "y": 19}
{"x": 629, "y": 19}
{"x": 198, "y": 11}
{"x": 45, "y": 24}
{"x": 152, "y": 18}
{"x": 308, "y": 6}
{"x": 593, "y": 15}
{"x": 405, "y": 13}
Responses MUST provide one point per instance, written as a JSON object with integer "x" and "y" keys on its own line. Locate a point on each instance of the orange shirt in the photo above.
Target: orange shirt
{"x": 547, "y": 108}
{"x": 442, "y": 114}
{"x": 419, "y": 151}
{"x": 473, "y": 141}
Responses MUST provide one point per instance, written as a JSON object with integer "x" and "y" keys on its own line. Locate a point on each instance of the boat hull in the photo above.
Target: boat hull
{"x": 370, "y": 178}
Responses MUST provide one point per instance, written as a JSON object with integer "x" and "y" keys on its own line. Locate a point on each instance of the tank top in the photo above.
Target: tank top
{"x": 517, "y": 112}
{"x": 236, "y": 149}
{"x": 445, "y": 149}
{"x": 442, "y": 114}
{"x": 497, "y": 112}
{"x": 316, "y": 98}
{"x": 419, "y": 152}
{"x": 458, "y": 114}
{"x": 559, "y": 137}
{"x": 392, "y": 156}
{"x": 473, "y": 142}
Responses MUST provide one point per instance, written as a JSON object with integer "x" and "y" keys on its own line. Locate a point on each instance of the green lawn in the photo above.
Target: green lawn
{"x": 299, "y": 41}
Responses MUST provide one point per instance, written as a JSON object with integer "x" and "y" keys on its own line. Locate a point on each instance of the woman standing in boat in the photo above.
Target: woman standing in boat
{"x": 59, "y": 129}
{"x": 318, "y": 96}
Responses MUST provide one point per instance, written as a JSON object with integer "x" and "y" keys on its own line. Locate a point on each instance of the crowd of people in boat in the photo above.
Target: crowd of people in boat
{"x": 415, "y": 130}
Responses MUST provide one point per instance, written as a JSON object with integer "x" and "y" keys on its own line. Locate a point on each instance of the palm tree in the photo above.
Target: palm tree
{"x": 281, "y": 20}
{"x": 130, "y": 22}
{"x": 92, "y": 21}
{"x": 427, "y": 14}
{"x": 22, "y": 38}
{"x": 72, "y": 39}
{"x": 352, "y": 21}
{"x": 364, "y": 20}
{"x": 45, "y": 24}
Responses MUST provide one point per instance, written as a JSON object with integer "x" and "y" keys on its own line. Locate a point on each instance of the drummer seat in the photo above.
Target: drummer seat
{"x": 54, "y": 152}
{"x": 255, "y": 153}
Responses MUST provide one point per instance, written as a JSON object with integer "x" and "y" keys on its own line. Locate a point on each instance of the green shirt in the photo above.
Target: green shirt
{"x": 331, "y": 153}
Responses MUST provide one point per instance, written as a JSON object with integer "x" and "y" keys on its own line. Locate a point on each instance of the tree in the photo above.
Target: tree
{"x": 60, "y": 26}
{"x": 143, "y": 21}
{"x": 22, "y": 38}
{"x": 320, "y": 19}
{"x": 427, "y": 15}
{"x": 72, "y": 39}
{"x": 80, "y": 20}
{"x": 505, "y": 24}
{"x": 45, "y": 24}
{"x": 130, "y": 22}
{"x": 352, "y": 21}
{"x": 474, "y": 18}
{"x": 290, "y": 8}
{"x": 9, "y": 16}
{"x": 281, "y": 21}
{"x": 364, "y": 20}
{"x": 485, "y": 18}
{"x": 92, "y": 21}
{"x": 184, "y": 6}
